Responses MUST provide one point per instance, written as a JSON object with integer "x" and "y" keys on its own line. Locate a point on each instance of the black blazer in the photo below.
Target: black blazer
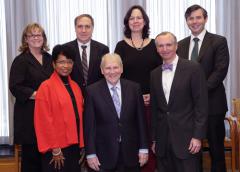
{"x": 185, "y": 115}
{"x": 214, "y": 59}
{"x": 97, "y": 50}
{"x": 26, "y": 75}
{"x": 102, "y": 127}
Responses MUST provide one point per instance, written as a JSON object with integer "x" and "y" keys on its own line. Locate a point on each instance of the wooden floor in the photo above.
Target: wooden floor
{"x": 10, "y": 164}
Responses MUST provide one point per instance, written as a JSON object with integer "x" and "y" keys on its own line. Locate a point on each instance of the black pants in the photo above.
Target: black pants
{"x": 215, "y": 136}
{"x": 72, "y": 156}
{"x": 120, "y": 167}
{"x": 171, "y": 163}
{"x": 31, "y": 158}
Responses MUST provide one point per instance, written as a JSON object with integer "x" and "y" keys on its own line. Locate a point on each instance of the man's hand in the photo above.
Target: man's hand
{"x": 195, "y": 146}
{"x": 93, "y": 163}
{"x": 153, "y": 147}
{"x": 143, "y": 158}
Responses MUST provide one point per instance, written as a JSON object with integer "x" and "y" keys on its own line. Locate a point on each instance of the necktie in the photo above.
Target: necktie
{"x": 116, "y": 100}
{"x": 194, "y": 54}
{"x": 167, "y": 67}
{"x": 84, "y": 63}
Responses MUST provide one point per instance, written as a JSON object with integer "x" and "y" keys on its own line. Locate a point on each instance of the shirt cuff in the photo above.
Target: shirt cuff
{"x": 143, "y": 150}
{"x": 91, "y": 156}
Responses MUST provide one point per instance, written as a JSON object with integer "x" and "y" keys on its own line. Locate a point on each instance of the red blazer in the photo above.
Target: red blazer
{"x": 54, "y": 116}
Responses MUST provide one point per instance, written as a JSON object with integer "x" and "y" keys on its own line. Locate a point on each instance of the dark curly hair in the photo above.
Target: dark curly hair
{"x": 127, "y": 30}
{"x": 65, "y": 50}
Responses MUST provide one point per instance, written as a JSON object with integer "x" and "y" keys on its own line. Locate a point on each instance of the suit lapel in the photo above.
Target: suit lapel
{"x": 205, "y": 44}
{"x": 78, "y": 58}
{"x": 124, "y": 91}
{"x": 31, "y": 59}
{"x": 160, "y": 86}
{"x": 92, "y": 57}
{"x": 107, "y": 96}
{"x": 186, "y": 48}
{"x": 176, "y": 80}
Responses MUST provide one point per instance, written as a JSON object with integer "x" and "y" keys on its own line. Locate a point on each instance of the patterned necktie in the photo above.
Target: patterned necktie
{"x": 84, "y": 63}
{"x": 166, "y": 66}
{"x": 116, "y": 100}
{"x": 194, "y": 54}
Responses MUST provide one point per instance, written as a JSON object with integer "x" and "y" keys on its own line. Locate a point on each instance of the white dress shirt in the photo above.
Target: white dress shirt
{"x": 167, "y": 79}
{"x": 87, "y": 50}
{"x": 192, "y": 43}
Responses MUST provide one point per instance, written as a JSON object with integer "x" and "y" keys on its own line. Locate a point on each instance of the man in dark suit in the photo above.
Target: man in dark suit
{"x": 179, "y": 109}
{"x": 115, "y": 126}
{"x": 214, "y": 59}
{"x": 89, "y": 52}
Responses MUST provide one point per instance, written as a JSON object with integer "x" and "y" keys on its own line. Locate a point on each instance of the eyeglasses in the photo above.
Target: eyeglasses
{"x": 63, "y": 62}
{"x": 32, "y": 36}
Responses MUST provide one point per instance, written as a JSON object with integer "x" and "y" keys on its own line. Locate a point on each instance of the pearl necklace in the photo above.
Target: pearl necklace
{"x": 138, "y": 48}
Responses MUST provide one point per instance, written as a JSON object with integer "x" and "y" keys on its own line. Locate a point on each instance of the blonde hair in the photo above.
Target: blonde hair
{"x": 28, "y": 29}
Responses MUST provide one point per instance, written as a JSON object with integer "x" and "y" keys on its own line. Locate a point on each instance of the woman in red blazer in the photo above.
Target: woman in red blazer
{"x": 58, "y": 116}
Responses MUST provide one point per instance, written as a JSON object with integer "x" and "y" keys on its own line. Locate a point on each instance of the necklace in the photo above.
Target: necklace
{"x": 138, "y": 48}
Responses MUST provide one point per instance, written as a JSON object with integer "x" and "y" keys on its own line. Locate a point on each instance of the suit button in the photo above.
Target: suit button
{"x": 119, "y": 124}
{"x": 168, "y": 113}
{"x": 84, "y": 84}
{"x": 119, "y": 139}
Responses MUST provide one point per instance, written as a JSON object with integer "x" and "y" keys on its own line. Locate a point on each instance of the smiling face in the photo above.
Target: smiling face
{"x": 196, "y": 22}
{"x": 111, "y": 68}
{"x": 166, "y": 47}
{"x": 63, "y": 66}
{"x": 84, "y": 29}
{"x": 136, "y": 21}
{"x": 34, "y": 39}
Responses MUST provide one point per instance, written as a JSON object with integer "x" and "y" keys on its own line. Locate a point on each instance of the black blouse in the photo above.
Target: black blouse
{"x": 138, "y": 64}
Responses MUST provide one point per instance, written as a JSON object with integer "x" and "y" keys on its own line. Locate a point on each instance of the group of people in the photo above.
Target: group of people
{"x": 145, "y": 107}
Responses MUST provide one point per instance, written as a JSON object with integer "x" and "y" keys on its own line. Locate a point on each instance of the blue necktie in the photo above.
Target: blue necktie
{"x": 194, "y": 54}
{"x": 167, "y": 67}
{"x": 116, "y": 100}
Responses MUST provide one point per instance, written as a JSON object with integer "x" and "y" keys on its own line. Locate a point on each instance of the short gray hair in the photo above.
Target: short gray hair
{"x": 166, "y": 33}
{"x": 111, "y": 56}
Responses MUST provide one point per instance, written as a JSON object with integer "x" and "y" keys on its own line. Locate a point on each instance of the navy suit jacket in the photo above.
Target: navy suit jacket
{"x": 97, "y": 50}
{"x": 214, "y": 59}
{"x": 185, "y": 115}
{"x": 103, "y": 127}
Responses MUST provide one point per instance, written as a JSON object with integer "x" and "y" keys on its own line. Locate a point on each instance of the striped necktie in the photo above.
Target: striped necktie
{"x": 84, "y": 62}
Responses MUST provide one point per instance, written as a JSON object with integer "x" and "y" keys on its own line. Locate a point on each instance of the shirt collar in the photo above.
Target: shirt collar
{"x": 118, "y": 85}
{"x": 200, "y": 36}
{"x": 80, "y": 44}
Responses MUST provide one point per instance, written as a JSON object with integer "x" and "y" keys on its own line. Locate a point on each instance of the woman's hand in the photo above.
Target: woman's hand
{"x": 57, "y": 159}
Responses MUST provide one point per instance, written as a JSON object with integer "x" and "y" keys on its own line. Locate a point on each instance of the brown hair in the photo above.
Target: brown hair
{"x": 83, "y": 15}
{"x": 28, "y": 29}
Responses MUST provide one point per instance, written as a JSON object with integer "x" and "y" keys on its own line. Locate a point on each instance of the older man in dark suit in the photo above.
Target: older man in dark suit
{"x": 89, "y": 52}
{"x": 211, "y": 51}
{"x": 179, "y": 109}
{"x": 115, "y": 125}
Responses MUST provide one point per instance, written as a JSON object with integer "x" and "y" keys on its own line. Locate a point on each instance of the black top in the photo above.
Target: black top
{"x": 74, "y": 103}
{"x": 138, "y": 64}
{"x": 26, "y": 75}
